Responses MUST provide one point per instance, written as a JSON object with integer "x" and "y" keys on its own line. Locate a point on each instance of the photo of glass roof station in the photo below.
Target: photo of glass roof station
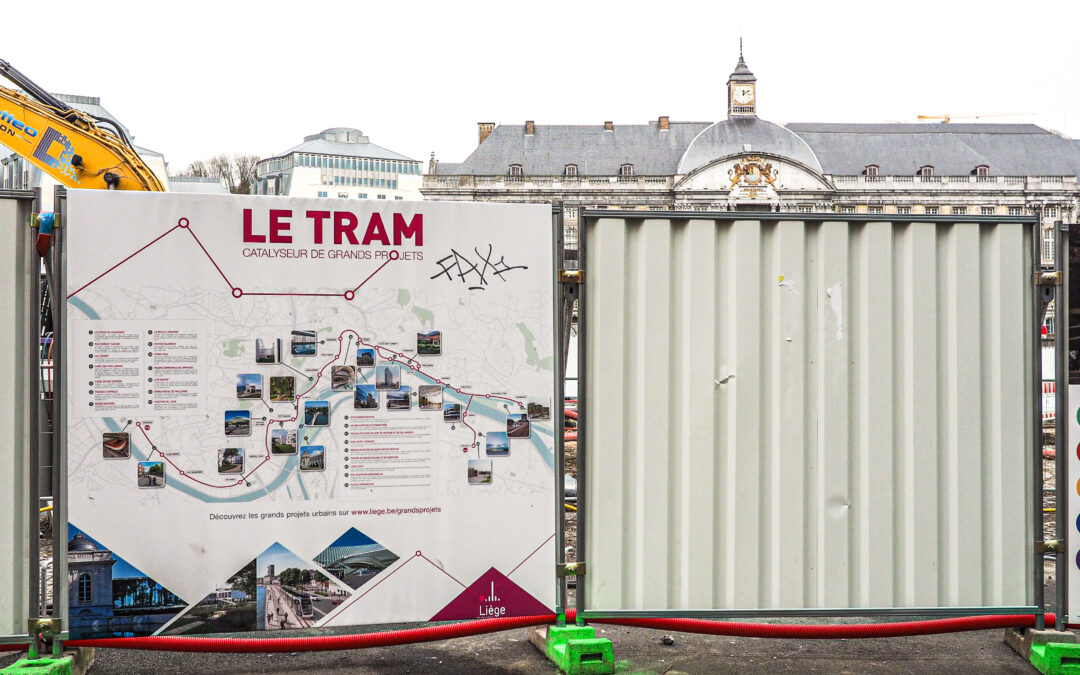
{"x": 339, "y": 162}
{"x": 745, "y": 162}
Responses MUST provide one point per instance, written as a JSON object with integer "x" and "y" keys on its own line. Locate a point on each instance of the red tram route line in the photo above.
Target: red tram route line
{"x": 236, "y": 291}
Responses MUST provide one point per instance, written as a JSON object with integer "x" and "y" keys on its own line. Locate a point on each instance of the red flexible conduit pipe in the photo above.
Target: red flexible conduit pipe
{"x": 448, "y": 631}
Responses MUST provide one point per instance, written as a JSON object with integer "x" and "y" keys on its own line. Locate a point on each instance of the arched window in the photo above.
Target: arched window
{"x": 626, "y": 170}
{"x": 870, "y": 170}
{"x": 86, "y": 594}
{"x": 926, "y": 170}
{"x": 570, "y": 170}
{"x": 515, "y": 170}
{"x": 982, "y": 170}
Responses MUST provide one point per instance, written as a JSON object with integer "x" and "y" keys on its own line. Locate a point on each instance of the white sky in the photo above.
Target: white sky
{"x": 192, "y": 78}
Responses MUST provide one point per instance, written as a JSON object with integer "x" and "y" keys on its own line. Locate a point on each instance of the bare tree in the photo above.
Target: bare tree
{"x": 236, "y": 171}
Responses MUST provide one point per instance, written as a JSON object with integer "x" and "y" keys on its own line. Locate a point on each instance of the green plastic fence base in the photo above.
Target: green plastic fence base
{"x": 58, "y": 666}
{"x": 1056, "y": 658}
{"x": 577, "y": 651}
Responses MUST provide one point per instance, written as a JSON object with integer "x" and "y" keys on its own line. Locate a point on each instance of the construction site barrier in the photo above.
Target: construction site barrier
{"x": 845, "y": 631}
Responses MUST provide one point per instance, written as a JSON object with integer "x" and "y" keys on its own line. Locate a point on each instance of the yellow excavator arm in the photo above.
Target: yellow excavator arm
{"x": 70, "y": 145}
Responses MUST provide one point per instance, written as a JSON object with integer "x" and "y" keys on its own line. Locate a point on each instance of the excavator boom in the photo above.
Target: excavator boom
{"x": 66, "y": 143}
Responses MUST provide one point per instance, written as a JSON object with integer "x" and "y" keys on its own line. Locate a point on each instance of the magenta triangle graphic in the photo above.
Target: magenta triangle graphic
{"x": 491, "y": 596}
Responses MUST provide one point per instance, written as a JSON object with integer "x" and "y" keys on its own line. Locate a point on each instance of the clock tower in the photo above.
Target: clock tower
{"x": 741, "y": 90}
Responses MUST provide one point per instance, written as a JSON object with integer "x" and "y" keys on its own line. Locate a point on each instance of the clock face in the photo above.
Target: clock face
{"x": 743, "y": 94}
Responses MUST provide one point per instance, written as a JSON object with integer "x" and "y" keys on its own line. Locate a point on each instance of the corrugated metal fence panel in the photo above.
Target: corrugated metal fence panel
{"x": 795, "y": 414}
{"x": 16, "y": 397}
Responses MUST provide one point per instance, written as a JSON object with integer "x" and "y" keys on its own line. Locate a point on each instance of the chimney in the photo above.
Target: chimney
{"x": 665, "y": 124}
{"x": 609, "y": 126}
{"x": 485, "y": 129}
{"x": 530, "y": 128}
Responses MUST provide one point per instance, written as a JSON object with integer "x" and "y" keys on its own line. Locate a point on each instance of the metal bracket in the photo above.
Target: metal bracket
{"x": 572, "y": 276}
{"x": 570, "y": 570}
{"x": 1050, "y": 546}
{"x": 1048, "y": 278}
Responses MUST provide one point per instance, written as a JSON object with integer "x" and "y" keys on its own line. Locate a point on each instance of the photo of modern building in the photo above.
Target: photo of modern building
{"x": 304, "y": 343}
{"x": 365, "y": 358}
{"x": 237, "y": 422}
{"x": 366, "y": 397}
{"x": 387, "y": 377}
{"x": 355, "y": 558}
{"x": 399, "y": 399}
{"x": 312, "y": 458}
{"x": 266, "y": 351}
{"x": 249, "y": 385}
{"x": 451, "y": 412}
{"x": 282, "y": 441}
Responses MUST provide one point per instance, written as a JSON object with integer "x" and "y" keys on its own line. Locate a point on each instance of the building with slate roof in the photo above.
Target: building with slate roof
{"x": 745, "y": 162}
{"x": 339, "y": 162}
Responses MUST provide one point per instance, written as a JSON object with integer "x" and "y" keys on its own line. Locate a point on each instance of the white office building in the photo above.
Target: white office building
{"x": 339, "y": 162}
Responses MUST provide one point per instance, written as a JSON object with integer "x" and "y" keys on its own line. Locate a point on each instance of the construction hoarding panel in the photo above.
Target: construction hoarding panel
{"x": 292, "y": 413}
{"x": 790, "y": 414}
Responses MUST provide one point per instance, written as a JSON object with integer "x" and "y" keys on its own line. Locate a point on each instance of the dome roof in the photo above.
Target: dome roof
{"x": 745, "y": 135}
{"x": 81, "y": 542}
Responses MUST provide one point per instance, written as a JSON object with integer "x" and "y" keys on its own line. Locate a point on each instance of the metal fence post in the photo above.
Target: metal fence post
{"x": 1061, "y": 420}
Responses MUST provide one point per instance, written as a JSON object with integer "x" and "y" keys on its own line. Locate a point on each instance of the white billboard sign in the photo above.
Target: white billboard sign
{"x": 293, "y": 413}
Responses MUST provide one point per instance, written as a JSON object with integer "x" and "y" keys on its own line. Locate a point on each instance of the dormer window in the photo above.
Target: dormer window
{"x": 626, "y": 170}
{"x": 870, "y": 170}
{"x": 515, "y": 170}
{"x": 570, "y": 170}
{"x": 926, "y": 171}
{"x": 982, "y": 170}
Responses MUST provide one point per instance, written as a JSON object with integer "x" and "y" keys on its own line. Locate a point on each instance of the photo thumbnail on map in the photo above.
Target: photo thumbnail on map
{"x": 451, "y": 412}
{"x": 230, "y": 460}
{"x": 479, "y": 472}
{"x": 366, "y": 397}
{"x": 517, "y": 425}
{"x": 431, "y": 397}
{"x": 365, "y": 358}
{"x": 267, "y": 351}
{"x": 282, "y": 388}
{"x": 249, "y": 386}
{"x": 151, "y": 474}
{"x": 343, "y": 378}
{"x": 539, "y": 409}
{"x": 317, "y": 413}
{"x": 304, "y": 343}
{"x": 496, "y": 444}
{"x": 237, "y": 422}
{"x": 312, "y": 458}
{"x": 283, "y": 441}
{"x": 400, "y": 399}
{"x": 115, "y": 445}
{"x": 387, "y": 377}
{"x": 429, "y": 344}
